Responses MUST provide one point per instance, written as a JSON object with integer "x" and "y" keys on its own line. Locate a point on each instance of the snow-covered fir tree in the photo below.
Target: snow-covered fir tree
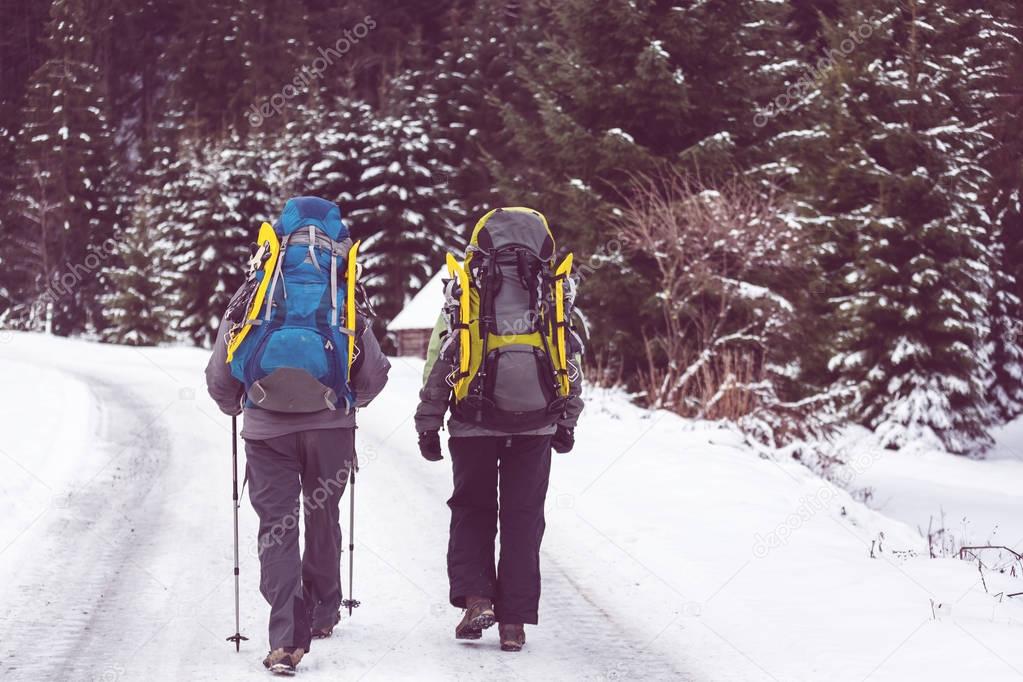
{"x": 211, "y": 208}
{"x": 13, "y": 271}
{"x": 1005, "y": 352}
{"x": 208, "y": 65}
{"x": 1001, "y": 27}
{"x": 273, "y": 44}
{"x": 903, "y": 158}
{"x": 404, "y": 210}
{"x": 813, "y": 151}
{"x": 473, "y": 82}
{"x": 62, "y": 205}
{"x": 21, "y": 26}
{"x": 322, "y": 148}
{"x": 139, "y": 303}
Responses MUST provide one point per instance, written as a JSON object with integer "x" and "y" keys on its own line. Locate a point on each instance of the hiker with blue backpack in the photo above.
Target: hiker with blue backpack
{"x": 505, "y": 360}
{"x": 296, "y": 355}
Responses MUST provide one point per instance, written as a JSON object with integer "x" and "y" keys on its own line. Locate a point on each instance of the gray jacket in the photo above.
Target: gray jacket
{"x": 369, "y": 376}
{"x": 436, "y": 394}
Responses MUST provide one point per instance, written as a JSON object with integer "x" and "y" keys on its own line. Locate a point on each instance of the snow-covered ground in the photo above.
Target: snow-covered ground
{"x": 975, "y": 502}
{"x": 672, "y": 550}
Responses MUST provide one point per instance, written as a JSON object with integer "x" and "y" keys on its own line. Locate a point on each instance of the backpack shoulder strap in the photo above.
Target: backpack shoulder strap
{"x": 561, "y": 274}
{"x": 350, "y": 318}
{"x": 457, "y": 272}
{"x": 278, "y": 268}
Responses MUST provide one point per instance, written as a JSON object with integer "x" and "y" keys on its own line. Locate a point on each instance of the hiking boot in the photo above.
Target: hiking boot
{"x": 478, "y": 616}
{"x": 283, "y": 661}
{"x": 325, "y": 632}
{"x": 513, "y": 636}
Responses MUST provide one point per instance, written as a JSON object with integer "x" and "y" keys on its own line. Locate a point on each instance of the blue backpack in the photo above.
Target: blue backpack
{"x": 294, "y": 349}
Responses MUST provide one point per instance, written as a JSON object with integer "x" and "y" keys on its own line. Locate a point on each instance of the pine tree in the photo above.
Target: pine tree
{"x": 138, "y": 305}
{"x": 472, "y": 83}
{"x": 1003, "y": 52}
{"x": 403, "y": 207}
{"x": 210, "y": 83}
{"x": 806, "y": 21}
{"x": 21, "y": 26}
{"x": 15, "y": 273}
{"x": 212, "y": 205}
{"x": 1005, "y": 377}
{"x": 900, "y": 154}
{"x": 131, "y": 39}
{"x": 404, "y": 35}
{"x": 813, "y": 152}
{"x": 321, "y": 150}
{"x": 62, "y": 176}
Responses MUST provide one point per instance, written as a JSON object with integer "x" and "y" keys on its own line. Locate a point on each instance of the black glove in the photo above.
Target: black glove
{"x": 429, "y": 446}
{"x": 239, "y": 407}
{"x": 563, "y": 439}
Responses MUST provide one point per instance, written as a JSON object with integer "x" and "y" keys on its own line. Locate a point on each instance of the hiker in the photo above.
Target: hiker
{"x": 296, "y": 354}
{"x": 506, "y": 360}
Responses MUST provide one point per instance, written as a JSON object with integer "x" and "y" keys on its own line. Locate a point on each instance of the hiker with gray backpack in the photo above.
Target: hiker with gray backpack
{"x": 505, "y": 360}
{"x": 296, "y": 355}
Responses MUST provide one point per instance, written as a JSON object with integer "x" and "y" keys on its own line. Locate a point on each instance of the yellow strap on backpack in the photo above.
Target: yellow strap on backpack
{"x": 458, "y": 272}
{"x": 266, "y": 240}
{"x": 350, "y": 283}
{"x": 562, "y": 272}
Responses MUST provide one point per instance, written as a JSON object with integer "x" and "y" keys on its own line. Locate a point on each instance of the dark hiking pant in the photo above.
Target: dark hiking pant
{"x": 304, "y": 471}
{"x": 517, "y": 467}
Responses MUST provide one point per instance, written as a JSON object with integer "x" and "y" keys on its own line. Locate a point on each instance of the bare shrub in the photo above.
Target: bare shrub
{"x": 714, "y": 249}
{"x": 605, "y": 369}
{"x": 728, "y": 385}
{"x": 941, "y": 540}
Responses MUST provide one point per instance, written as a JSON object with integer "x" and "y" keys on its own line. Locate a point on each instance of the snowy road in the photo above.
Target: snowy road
{"x": 82, "y": 580}
{"x": 126, "y": 572}
{"x": 672, "y": 551}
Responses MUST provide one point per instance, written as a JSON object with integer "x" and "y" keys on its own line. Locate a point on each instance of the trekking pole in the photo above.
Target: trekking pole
{"x": 351, "y": 602}
{"x": 237, "y": 637}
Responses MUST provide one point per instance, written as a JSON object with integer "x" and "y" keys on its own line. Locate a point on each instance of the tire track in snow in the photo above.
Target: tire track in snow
{"x": 571, "y": 615}
{"x": 83, "y": 586}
